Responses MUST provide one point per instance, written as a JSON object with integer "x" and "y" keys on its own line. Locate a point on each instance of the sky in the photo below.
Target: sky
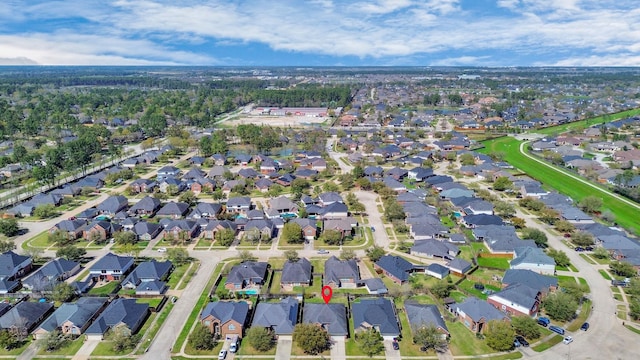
{"x": 321, "y": 32}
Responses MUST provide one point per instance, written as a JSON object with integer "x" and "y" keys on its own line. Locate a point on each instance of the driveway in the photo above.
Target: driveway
{"x": 283, "y": 351}
{"x": 338, "y": 349}
{"x": 368, "y": 199}
{"x": 389, "y": 353}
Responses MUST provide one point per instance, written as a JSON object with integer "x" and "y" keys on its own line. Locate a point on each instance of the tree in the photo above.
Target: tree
{"x": 292, "y": 233}
{"x": 634, "y": 308}
{"x": 623, "y": 268}
{"x": 518, "y": 223}
{"x": 575, "y": 290}
{"x": 549, "y": 216}
{"x": 582, "y": 238}
{"x": 499, "y": 335}
{"x": 188, "y": 197}
{"x": 178, "y": 256}
{"x": 560, "y": 306}
{"x": 130, "y": 250}
{"x": 44, "y": 211}
{"x": 311, "y": 339}
{"x": 6, "y": 245}
{"x": 246, "y": 255}
{"x": 71, "y": 252}
{"x": 7, "y": 339}
{"x": 428, "y": 337}
{"x": 502, "y": 183}
{"x": 504, "y": 209}
{"x": 291, "y": 255}
{"x": 601, "y": 253}
{"x": 54, "y": 340}
{"x": 347, "y": 254}
{"x": 370, "y": 342}
{"x": 9, "y": 227}
{"x": 225, "y": 237}
{"x": 564, "y": 226}
{"x": 590, "y": 204}
{"x": 441, "y": 289}
{"x": 62, "y": 292}
{"x": 393, "y": 210}
{"x": 536, "y": 235}
{"x": 375, "y": 253}
{"x": 125, "y": 237}
{"x": 331, "y": 237}
{"x": 122, "y": 340}
{"x": 201, "y": 339}
{"x": 34, "y": 253}
{"x": 467, "y": 159}
{"x": 559, "y": 256}
{"x": 260, "y": 338}
{"x": 526, "y": 326}
{"x": 299, "y": 185}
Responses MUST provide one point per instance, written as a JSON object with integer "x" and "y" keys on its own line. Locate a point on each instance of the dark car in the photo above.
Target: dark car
{"x": 584, "y": 326}
{"x": 579, "y": 248}
{"x": 478, "y": 286}
{"x": 544, "y": 321}
{"x": 373, "y": 229}
{"x": 589, "y": 248}
{"x": 396, "y": 346}
{"x": 522, "y": 340}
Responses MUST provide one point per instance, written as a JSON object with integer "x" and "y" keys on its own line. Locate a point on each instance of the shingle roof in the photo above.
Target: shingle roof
{"x": 248, "y": 270}
{"x": 281, "y": 317}
{"x": 78, "y": 313}
{"x": 297, "y": 272}
{"x": 113, "y": 262}
{"x": 26, "y": 312}
{"x": 530, "y": 278}
{"x": 378, "y": 313}
{"x": 335, "y": 270}
{"x": 332, "y": 317}
{"x": 226, "y": 311}
{"x": 149, "y": 270}
{"x": 125, "y": 311}
{"x": 477, "y": 309}
{"x": 420, "y": 315}
{"x": 396, "y": 266}
{"x": 519, "y": 294}
{"x": 8, "y": 263}
{"x": 47, "y": 275}
{"x": 531, "y": 255}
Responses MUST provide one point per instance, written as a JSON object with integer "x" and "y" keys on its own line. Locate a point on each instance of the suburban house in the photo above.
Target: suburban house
{"x": 331, "y": 317}
{"x": 308, "y": 227}
{"x": 146, "y": 206}
{"x": 143, "y": 186}
{"x": 436, "y": 270}
{"x": 100, "y": 230}
{"x": 341, "y": 273}
{"x": 50, "y": 274}
{"x": 71, "y": 228}
{"x": 458, "y": 266}
{"x": 239, "y": 204}
{"x": 344, "y": 225}
{"x": 113, "y": 204}
{"x": 475, "y": 313}
{"x": 72, "y": 318}
{"x": 537, "y": 281}
{"x": 534, "y": 259}
{"x": 283, "y": 205}
{"x": 249, "y": 274}
{"x": 184, "y": 230}
{"x": 111, "y": 267}
{"x": 147, "y": 276}
{"x": 517, "y": 299}
{"x": 120, "y": 312}
{"x": 375, "y": 286}
{"x": 424, "y": 315}
{"x": 204, "y": 210}
{"x": 434, "y": 248}
{"x": 213, "y": 226}
{"x": 173, "y": 210}
{"x": 281, "y": 317}
{"x": 146, "y": 230}
{"x": 168, "y": 171}
{"x": 379, "y": 314}
{"x": 296, "y": 273}
{"x": 394, "y": 267}
{"x": 25, "y": 316}
{"x": 14, "y": 266}
{"x": 225, "y": 318}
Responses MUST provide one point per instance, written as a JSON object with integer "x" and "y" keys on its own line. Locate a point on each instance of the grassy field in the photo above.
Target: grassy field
{"x": 555, "y": 177}
{"x": 587, "y": 122}
{"x": 105, "y": 289}
{"x": 499, "y": 263}
{"x": 465, "y": 343}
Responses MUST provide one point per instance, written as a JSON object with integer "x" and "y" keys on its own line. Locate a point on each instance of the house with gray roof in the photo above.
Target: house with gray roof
{"x": 146, "y": 230}
{"x": 72, "y": 318}
{"x": 205, "y": 210}
{"x": 341, "y": 273}
{"x": 120, "y": 312}
{"x": 111, "y": 267}
{"x": 436, "y": 270}
{"x": 434, "y": 248}
{"x": 148, "y": 205}
{"x": 72, "y": 229}
{"x": 501, "y": 239}
{"x": 14, "y": 266}
{"x": 379, "y": 314}
{"x": 50, "y": 274}
{"x": 225, "y": 318}
{"x": 113, "y": 204}
{"x": 173, "y": 210}
{"x": 474, "y": 313}
{"x": 425, "y": 315}
{"x": 249, "y": 274}
{"x": 375, "y": 286}
{"x": 534, "y": 259}
{"x": 395, "y": 268}
{"x": 281, "y": 317}
{"x": 25, "y": 316}
{"x": 239, "y": 204}
{"x": 517, "y": 300}
{"x": 296, "y": 273}
{"x": 458, "y": 266}
{"x": 148, "y": 271}
{"x": 331, "y": 317}
{"x": 540, "y": 282}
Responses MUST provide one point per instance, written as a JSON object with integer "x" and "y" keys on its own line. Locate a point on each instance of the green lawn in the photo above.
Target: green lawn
{"x": 588, "y": 259}
{"x": 40, "y": 241}
{"x": 69, "y": 349}
{"x": 604, "y": 274}
{"x": 499, "y": 263}
{"x": 464, "y": 341}
{"x": 467, "y": 285}
{"x": 585, "y": 311}
{"x": 214, "y": 352}
{"x": 176, "y": 275}
{"x": 153, "y": 330}
{"x": 105, "y": 289}
{"x": 18, "y": 350}
{"x": 555, "y": 177}
{"x": 632, "y": 328}
{"x": 547, "y": 344}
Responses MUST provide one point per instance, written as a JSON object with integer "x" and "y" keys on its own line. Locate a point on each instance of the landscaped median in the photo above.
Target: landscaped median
{"x": 558, "y": 178}
{"x": 548, "y": 343}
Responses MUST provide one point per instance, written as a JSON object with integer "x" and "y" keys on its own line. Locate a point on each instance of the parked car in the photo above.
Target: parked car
{"x": 579, "y": 248}
{"x": 567, "y": 340}
{"x": 516, "y": 343}
{"x": 588, "y": 248}
{"x": 478, "y": 286}
{"x": 222, "y": 354}
{"x": 557, "y": 329}
{"x": 162, "y": 249}
{"x": 373, "y": 229}
{"x": 584, "y": 326}
{"x": 323, "y": 251}
{"x": 522, "y": 340}
{"x": 396, "y": 346}
{"x": 544, "y": 321}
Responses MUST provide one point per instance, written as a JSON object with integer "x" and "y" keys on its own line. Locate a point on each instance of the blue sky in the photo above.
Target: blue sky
{"x": 321, "y": 32}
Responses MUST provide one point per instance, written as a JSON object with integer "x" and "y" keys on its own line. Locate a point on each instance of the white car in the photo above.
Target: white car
{"x": 162, "y": 250}
{"x": 222, "y": 354}
{"x": 567, "y": 340}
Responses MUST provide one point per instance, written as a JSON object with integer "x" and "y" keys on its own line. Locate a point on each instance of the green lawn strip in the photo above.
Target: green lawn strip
{"x": 105, "y": 348}
{"x": 632, "y": 328}
{"x": 464, "y": 342}
{"x": 604, "y": 274}
{"x": 407, "y": 347}
{"x": 153, "y": 302}
{"x": 18, "y": 350}
{"x": 468, "y": 286}
{"x": 40, "y": 241}
{"x": 176, "y": 275}
{"x": 573, "y": 268}
{"x": 154, "y": 327}
{"x": 105, "y": 289}
{"x": 69, "y": 349}
{"x": 548, "y": 343}
{"x": 513, "y": 355}
{"x": 563, "y": 280}
{"x": 491, "y": 262}
{"x": 583, "y": 281}
{"x": 621, "y": 307}
{"x": 605, "y": 261}
{"x": 587, "y": 122}
{"x": 188, "y": 275}
{"x": 622, "y": 315}
{"x": 588, "y": 259}
{"x": 555, "y": 177}
{"x": 585, "y": 311}
{"x": 204, "y": 298}
{"x": 246, "y": 349}
{"x": 617, "y": 297}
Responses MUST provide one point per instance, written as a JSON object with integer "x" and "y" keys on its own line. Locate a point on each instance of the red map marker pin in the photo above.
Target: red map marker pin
{"x": 327, "y": 292}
